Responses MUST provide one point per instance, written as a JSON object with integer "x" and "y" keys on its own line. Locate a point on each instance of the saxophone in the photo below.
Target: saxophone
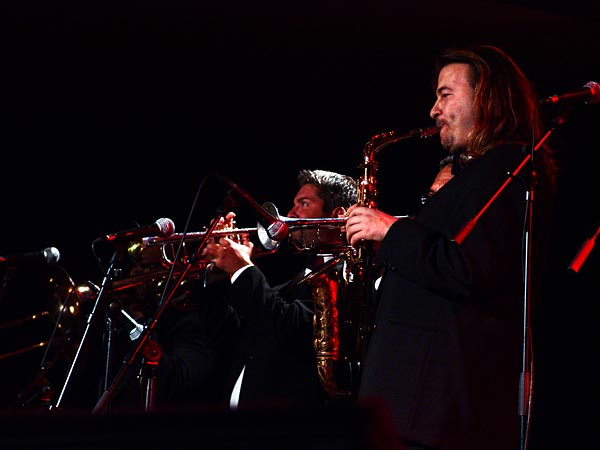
{"x": 345, "y": 300}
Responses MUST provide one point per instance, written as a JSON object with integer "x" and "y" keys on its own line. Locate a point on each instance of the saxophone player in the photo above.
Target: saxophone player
{"x": 445, "y": 354}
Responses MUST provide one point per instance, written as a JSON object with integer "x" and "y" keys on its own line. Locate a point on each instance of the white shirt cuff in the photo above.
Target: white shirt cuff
{"x": 238, "y": 272}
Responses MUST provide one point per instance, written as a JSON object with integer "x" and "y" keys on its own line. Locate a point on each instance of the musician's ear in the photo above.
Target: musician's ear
{"x": 338, "y": 211}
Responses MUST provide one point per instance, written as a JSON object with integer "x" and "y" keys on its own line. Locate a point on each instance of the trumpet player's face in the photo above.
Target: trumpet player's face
{"x": 454, "y": 111}
{"x": 308, "y": 205}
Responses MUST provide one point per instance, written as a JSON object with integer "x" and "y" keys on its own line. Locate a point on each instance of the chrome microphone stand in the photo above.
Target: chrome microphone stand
{"x": 106, "y": 283}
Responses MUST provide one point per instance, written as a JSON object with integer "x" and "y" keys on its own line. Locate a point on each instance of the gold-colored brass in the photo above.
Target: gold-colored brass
{"x": 304, "y": 237}
{"x": 344, "y": 302}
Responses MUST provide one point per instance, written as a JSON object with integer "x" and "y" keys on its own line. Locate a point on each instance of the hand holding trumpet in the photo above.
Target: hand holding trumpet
{"x": 229, "y": 253}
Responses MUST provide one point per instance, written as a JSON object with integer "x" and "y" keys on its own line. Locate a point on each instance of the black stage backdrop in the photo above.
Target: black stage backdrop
{"x": 118, "y": 113}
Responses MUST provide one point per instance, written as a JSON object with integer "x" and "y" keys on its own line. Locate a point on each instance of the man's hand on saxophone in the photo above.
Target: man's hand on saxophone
{"x": 368, "y": 224}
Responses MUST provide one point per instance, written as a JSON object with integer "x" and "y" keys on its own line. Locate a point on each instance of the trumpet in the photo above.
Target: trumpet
{"x": 304, "y": 237}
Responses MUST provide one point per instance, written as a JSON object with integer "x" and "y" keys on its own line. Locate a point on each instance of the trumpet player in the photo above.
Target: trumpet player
{"x": 446, "y": 353}
{"x": 275, "y": 362}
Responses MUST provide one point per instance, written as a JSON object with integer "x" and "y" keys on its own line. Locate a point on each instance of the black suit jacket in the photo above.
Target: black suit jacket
{"x": 276, "y": 344}
{"x": 196, "y": 346}
{"x": 196, "y": 337}
{"x": 445, "y": 353}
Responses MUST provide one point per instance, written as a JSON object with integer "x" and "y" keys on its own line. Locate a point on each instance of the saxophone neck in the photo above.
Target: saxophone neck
{"x": 381, "y": 140}
{"x": 367, "y": 183}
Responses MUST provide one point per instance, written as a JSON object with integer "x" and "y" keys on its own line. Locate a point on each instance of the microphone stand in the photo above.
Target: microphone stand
{"x": 152, "y": 354}
{"x": 525, "y": 380}
{"x": 147, "y": 348}
{"x": 110, "y": 331}
{"x": 105, "y": 282}
{"x": 5, "y": 279}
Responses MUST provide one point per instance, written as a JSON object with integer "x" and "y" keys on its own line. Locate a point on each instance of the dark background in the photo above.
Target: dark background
{"x": 117, "y": 113}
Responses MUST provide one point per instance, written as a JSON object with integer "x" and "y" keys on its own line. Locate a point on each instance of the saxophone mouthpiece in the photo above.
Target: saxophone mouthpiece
{"x": 429, "y": 132}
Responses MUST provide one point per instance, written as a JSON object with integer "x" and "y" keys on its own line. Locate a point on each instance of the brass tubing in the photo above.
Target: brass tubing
{"x": 194, "y": 236}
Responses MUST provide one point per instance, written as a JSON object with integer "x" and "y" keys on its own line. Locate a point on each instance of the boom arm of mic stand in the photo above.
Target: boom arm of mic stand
{"x": 584, "y": 251}
{"x": 470, "y": 224}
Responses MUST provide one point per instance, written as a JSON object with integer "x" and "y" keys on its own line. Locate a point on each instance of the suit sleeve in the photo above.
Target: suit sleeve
{"x": 423, "y": 250}
{"x": 263, "y": 306}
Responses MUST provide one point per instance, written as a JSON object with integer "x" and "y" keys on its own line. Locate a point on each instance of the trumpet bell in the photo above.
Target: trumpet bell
{"x": 320, "y": 235}
{"x": 263, "y": 237}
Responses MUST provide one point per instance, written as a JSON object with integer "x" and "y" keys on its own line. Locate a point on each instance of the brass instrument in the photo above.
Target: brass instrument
{"x": 381, "y": 140}
{"x": 345, "y": 303}
{"x": 343, "y": 306}
{"x": 304, "y": 237}
{"x": 158, "y": 254}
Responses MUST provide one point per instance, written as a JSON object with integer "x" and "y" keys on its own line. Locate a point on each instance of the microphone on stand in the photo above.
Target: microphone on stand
{"x": 162, "y": 227}
{"x": 49, "y": 255}
{"x": 589, "y": 94}
{"x": 276, "y": 228}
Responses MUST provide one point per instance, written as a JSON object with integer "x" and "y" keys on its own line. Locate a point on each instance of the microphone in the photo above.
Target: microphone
{"x": 276, "y": 228}
{"x": 162, "y": 227}
{"x": 588, "y": 94}
{"x": 49, "y": 255}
